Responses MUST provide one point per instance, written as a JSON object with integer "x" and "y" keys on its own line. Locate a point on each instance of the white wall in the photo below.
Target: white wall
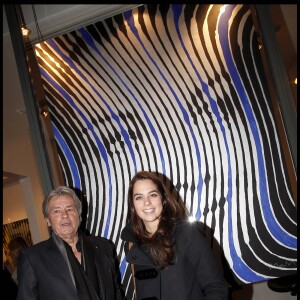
{"x": 14, "y": 195}
{"x": 18, "y": 154}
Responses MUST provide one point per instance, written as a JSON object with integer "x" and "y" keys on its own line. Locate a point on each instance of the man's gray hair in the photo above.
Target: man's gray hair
{"x": 62, "y": 191}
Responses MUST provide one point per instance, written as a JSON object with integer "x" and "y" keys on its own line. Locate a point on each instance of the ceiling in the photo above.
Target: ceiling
{"x": 18, "y": 157}
{"x": 53, "y": 20}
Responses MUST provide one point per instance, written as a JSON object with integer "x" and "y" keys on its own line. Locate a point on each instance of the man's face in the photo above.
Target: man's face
{"x": 63, "y": 216}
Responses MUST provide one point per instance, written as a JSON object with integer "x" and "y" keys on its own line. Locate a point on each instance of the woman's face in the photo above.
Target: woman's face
{"x": 147, "y": 202}
{"x": 63, "y": 216}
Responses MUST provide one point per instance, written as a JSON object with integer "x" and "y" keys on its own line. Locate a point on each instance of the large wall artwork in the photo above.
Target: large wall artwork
{"x": 181, "y": 90}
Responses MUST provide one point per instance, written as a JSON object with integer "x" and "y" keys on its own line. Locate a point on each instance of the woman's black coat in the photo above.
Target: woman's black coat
{"x": 195, "y": 276}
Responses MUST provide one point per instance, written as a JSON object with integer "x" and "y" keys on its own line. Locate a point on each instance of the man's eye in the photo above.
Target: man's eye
{"x": 71, "y": 209}
{"x": 56, "y": 211}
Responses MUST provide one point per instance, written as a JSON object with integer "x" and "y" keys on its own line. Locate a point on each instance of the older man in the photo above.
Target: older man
{"x": 69, "y": 265}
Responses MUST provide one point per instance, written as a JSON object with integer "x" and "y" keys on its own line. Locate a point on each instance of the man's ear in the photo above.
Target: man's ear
{"x": 48, "y": 222}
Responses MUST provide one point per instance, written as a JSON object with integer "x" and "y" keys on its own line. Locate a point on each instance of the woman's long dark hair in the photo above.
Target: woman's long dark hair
{"x": 162, "y": 243}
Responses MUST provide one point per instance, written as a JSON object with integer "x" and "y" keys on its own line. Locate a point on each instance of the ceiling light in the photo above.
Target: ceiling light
{"x": 44, "y": 112}
{"x": 25, "y": 31}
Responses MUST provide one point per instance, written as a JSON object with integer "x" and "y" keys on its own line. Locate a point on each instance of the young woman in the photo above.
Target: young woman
{"x": 170, "y": 258}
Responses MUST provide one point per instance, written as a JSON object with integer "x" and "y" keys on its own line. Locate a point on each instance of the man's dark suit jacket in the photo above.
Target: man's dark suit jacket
{"x": 44, "y": 274}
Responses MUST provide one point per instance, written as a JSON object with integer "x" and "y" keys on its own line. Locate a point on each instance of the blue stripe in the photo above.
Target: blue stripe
{"x": 177, "y": 9}
{"x": 122, "y": 267}
{"x": 238, "y": 265}
{"x": 100, "y": 146}
{"x": 276, "y": 230}
{"x": 69, "y": 156}
{"x": 90, "y": 41}
{"x": 130, "y": 21}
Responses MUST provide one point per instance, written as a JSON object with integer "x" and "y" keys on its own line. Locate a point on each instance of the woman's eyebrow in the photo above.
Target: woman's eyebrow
{"x": 153, "y": 191}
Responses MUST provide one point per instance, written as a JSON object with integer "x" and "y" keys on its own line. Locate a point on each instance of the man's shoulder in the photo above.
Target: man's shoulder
{"x": 39, "y": 248}
{"x": 41, "y": 244}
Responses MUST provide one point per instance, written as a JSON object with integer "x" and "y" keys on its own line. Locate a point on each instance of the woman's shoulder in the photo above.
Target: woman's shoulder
{"x": 188, "y": 228}
{"x": 184, "y": 225}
